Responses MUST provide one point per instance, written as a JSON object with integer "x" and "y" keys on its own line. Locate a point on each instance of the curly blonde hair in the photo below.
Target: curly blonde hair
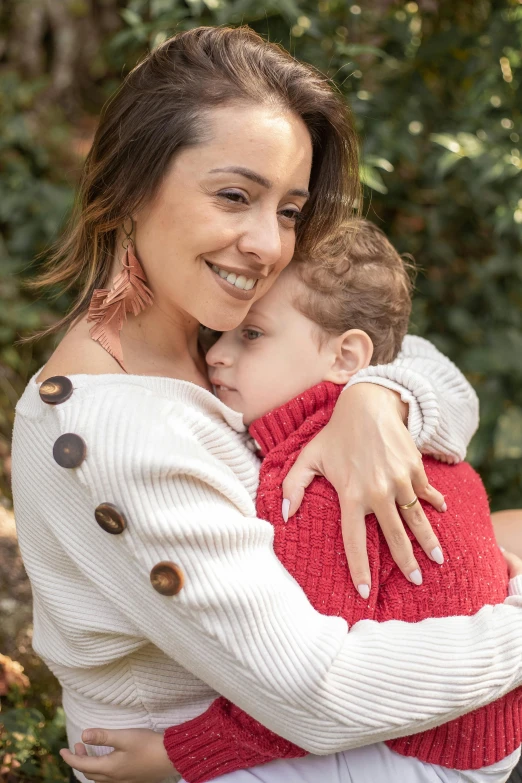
{"x": 357, "y": 280}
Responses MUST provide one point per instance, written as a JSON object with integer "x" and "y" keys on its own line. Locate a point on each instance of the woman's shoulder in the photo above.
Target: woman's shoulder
{"x": 78, "y": 354}
{"x": 142, "y": 429}
{"x": 95, "y": 383}
{"x": 158, "y": 410}
{"x": 122, "y": 399}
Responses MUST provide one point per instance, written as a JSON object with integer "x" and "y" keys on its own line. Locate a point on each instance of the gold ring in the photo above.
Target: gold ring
{"x": 409, "y": 505}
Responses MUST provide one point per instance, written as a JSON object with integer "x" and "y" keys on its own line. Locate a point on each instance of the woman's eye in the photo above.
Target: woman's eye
{"x": 295, "y": 215}
{"x": 251, "y": 334}
{"x": 234, "y": 195}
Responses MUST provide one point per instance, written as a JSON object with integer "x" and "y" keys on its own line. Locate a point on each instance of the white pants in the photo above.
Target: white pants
{"x": 372, "y": 764}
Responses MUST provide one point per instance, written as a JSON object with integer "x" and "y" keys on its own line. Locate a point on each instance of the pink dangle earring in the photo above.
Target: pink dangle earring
{"x": 129, "y": 294}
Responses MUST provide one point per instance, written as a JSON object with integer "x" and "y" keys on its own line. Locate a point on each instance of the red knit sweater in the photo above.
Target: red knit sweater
{"x": 310, "y": 546}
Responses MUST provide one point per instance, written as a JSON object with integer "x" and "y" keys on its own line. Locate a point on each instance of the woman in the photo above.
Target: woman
{"x": 155, "y": 587}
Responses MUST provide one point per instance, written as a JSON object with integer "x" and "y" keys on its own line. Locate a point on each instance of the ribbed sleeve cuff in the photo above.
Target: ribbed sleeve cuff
{"x": 223, "y": 739}
{"x": 204, "y": 748}
{"x": 415, "y": 415}
{"x": 197, "y": 749}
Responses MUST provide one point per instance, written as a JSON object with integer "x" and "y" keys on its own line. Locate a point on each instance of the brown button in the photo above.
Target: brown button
{"x": 110, "y": 518}
{"x": 55, "y": 390}
{"x": 69, "y": 450}
{"x": 167, "y": 578}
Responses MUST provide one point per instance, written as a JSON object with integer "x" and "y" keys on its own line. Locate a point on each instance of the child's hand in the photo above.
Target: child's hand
{"x": 138, "y": 756}
{"x": 514, "y": 564}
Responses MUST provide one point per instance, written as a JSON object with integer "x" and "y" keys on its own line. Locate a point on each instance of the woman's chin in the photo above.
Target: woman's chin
{"x": 224, "y": 322}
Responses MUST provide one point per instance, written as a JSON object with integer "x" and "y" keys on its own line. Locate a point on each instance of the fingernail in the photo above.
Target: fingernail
{"x": 436, "y": 554}
{"x": 501, "y": 548}
{"x": 416, "y": 577}
{"x": 364, "y": 591}
{"x": 285, "y": 509}
{"x": 87, "y": 736}
{"x": 444, "y": 507}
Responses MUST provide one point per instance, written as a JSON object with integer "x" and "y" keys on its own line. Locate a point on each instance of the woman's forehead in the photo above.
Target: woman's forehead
{"x": 273, "y": 143}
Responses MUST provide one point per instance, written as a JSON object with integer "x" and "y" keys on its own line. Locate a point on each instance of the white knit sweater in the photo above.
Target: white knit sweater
{"x": 175, "y": 461}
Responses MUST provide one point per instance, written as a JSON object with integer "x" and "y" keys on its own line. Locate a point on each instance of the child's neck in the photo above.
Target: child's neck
{"x": 280, "y": 423}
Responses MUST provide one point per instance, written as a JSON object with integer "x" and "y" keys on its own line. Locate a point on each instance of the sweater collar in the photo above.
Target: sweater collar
{"x": 277, "y": 425}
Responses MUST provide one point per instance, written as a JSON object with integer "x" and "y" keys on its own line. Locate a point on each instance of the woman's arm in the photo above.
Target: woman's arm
{"x": 241, "y": 623}
{"x": 443, "y": 409}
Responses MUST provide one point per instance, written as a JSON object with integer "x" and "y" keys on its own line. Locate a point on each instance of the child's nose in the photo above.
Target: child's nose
{"x": 218, "y": 355}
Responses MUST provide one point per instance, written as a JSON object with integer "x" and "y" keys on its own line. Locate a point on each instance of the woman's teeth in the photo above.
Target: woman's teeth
{"x": 240, "y": 281}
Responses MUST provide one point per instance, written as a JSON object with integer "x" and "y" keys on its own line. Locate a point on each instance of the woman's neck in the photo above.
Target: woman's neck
{"x": 157, "y": 342}
{"x": 153, "y": 343}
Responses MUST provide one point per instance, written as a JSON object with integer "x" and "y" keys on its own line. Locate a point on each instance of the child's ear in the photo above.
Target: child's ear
{"x": 351, "y": 352}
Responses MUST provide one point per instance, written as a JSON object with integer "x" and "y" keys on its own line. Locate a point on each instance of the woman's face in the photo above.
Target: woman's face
{"x": 222, "y": 225}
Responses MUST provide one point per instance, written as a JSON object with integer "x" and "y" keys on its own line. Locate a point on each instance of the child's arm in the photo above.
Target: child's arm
{"x": 223, "y": 739}
{"x": 443, "y": 407}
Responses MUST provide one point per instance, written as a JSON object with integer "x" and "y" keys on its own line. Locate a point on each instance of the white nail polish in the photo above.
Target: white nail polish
{"x": 364, "y": 591}
{"x": 444, "y": 507}
{"x": 416, "y": 577}
{"x": 436, "y": 554}
{"x": 285, "y": 509}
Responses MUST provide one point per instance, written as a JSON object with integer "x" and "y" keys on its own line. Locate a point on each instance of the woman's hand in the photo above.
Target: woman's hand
{"x": 368, "y": 455}
{"x": 139, "y": 756}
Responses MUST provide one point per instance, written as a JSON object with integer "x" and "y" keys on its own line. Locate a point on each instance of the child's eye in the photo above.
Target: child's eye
{"x": 251, "y": 334}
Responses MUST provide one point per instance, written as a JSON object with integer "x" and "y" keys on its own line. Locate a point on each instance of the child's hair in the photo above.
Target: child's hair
{"x": 357, "y": 280}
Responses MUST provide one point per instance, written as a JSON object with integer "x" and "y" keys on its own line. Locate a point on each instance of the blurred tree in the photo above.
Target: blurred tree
{"x": 435, "y": 87}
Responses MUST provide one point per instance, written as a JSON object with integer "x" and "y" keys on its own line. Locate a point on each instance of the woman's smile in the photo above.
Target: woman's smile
{"x": 238, "y": 284}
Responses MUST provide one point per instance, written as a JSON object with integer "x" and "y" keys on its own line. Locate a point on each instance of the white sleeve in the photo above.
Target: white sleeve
{"x": 443, "y": 407}
{"x": 241, "y": 623}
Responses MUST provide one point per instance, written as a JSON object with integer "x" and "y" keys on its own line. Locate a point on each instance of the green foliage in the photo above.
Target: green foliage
{"x": 30, "y": 740}
{"x": 435, "y": 90}
{"x": 34, "y": 200}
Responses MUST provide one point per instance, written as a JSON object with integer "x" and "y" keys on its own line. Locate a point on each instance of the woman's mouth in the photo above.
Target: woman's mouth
{"x": 239, "y": 281}
{"x": 238, "y": 285}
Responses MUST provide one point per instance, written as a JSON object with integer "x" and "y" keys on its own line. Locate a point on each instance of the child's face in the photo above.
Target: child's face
{"x": 270, "y": 358}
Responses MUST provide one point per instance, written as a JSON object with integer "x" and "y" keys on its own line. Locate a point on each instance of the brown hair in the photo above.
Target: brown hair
{"x": 357, "y": 280}
{"x": 159, "y": 109}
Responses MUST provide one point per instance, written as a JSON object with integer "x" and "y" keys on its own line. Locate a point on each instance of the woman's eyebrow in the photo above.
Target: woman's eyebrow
{"x": 257, "y": 178}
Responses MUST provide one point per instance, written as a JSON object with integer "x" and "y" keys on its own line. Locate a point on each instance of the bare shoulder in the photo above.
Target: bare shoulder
{"x": 77, "y": 354}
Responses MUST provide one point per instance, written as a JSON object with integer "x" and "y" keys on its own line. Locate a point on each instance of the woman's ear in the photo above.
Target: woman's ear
{"x": 351, "y": 352}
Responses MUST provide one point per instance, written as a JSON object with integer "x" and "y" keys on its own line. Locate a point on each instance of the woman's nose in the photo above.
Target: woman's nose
{"x": 262, "y": 238}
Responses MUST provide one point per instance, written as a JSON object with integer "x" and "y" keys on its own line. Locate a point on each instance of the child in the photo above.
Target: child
{"x": 284, "y": 368}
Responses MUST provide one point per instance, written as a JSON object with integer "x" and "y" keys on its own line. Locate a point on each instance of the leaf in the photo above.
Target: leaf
{"x": 379, "y": 162}
{"x": 131, "y": 17}
{"x": 371, "y": 177}
{"x": 446, "y": 140}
